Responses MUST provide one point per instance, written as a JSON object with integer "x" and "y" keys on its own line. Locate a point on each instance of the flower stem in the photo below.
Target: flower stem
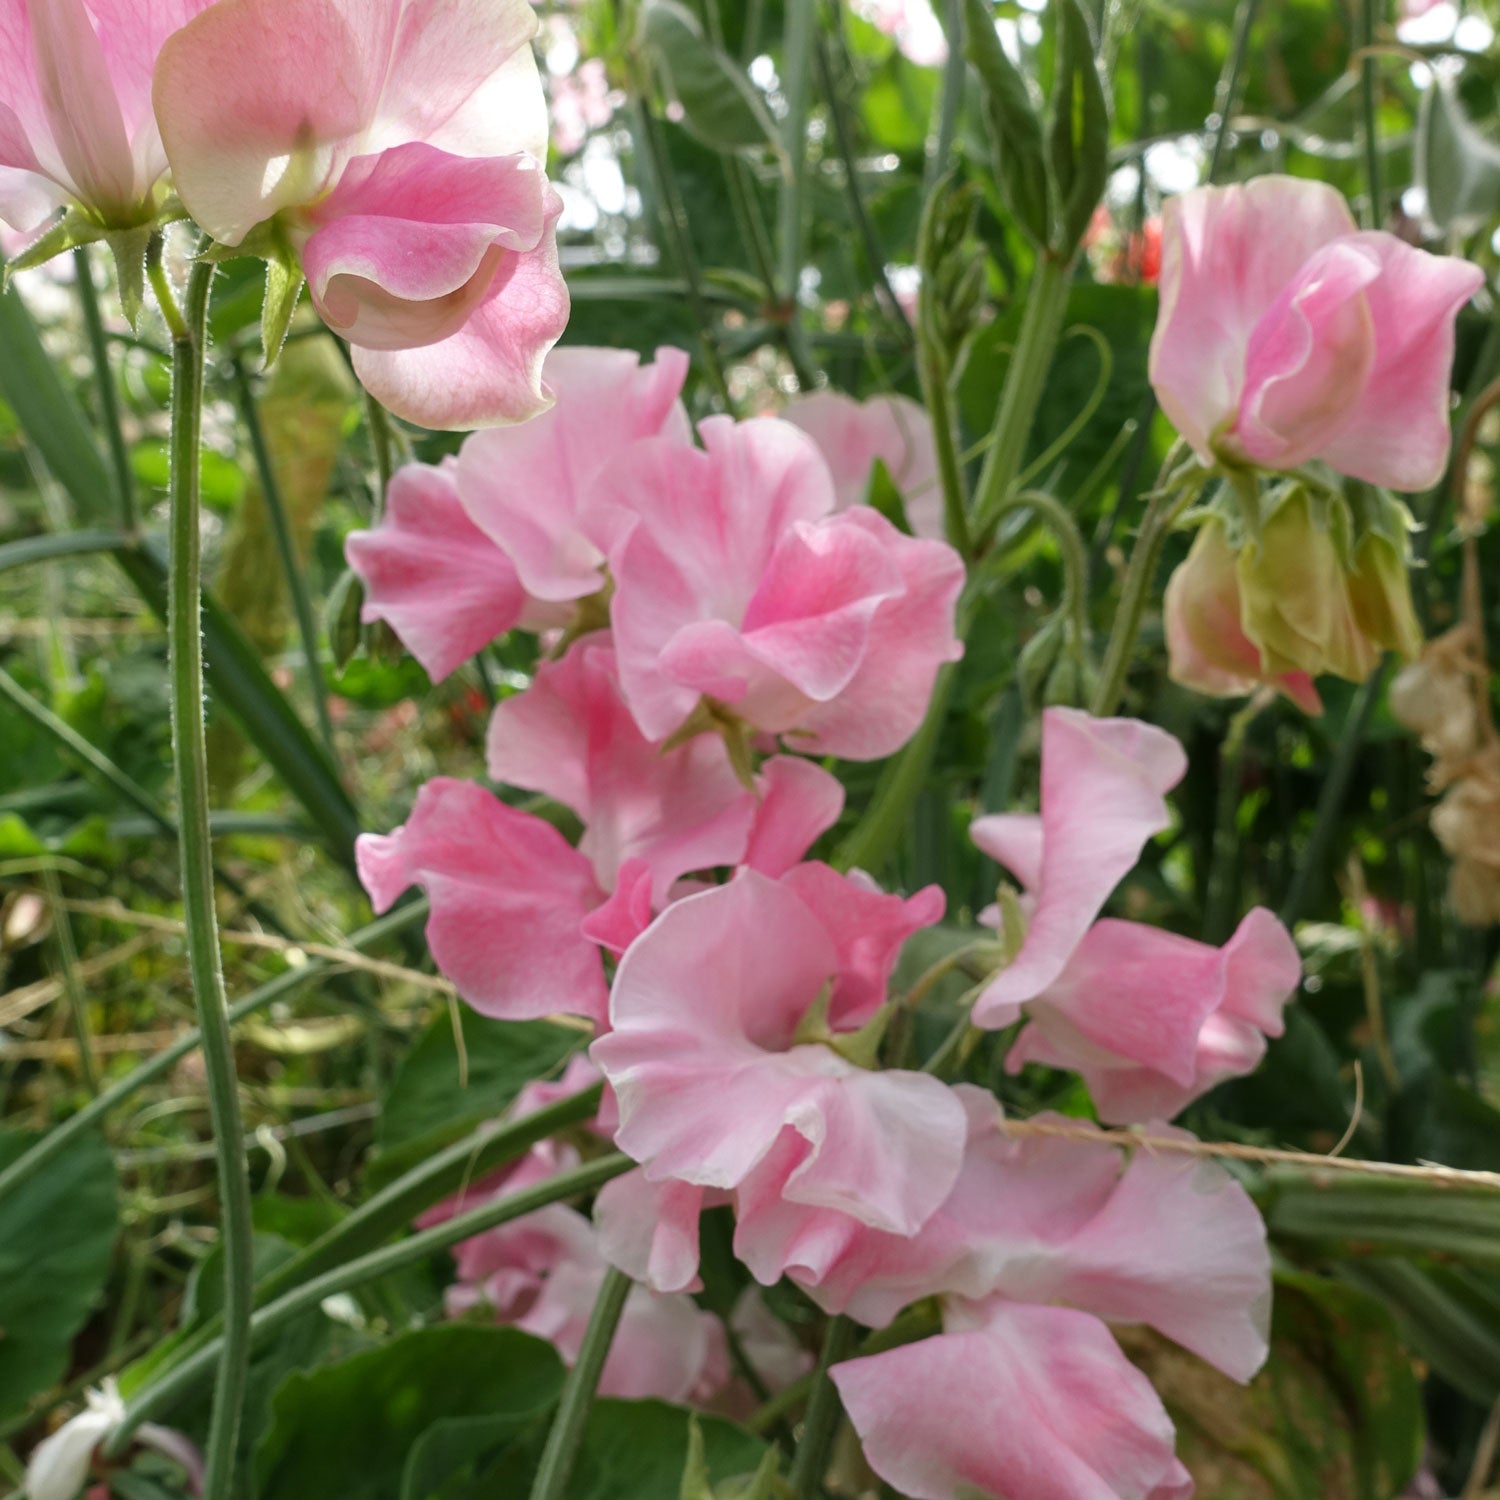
{"x": 190, "y": 767}
{"x": 1368, "y": 80}
{"x": 1041, "y": 328}
{"x": 566, "y": 1434}
{"x": 823, "y": 1412}
{"x": 109, "y": 401}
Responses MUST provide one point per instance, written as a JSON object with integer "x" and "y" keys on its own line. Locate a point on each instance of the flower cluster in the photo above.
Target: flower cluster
{"x": 710, "y": 617}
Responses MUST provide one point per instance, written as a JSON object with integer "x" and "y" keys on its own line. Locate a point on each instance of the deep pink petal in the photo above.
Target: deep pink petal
{"x": 532, "y": 487}
{"x": 508, "y": 894}
{"x": 440, "y": 584}
{"x": 1308, "y": 359}
{"x": 1399, "y": 433}
{"x": 1227, "y": 255}
{"x": 489, "y": 372}
{"x": 1015, "y": 1403}
{"x": 1103, "y": 795}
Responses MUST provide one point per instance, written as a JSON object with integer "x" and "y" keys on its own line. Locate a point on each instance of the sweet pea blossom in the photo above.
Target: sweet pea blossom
{"x": 507, "y": 534}
{"x": 735, "y": 584}
{"x": 396, "y": 147}
{"x": 1286, "y": 334}
{"x": 851, "y": 435}
{"x": 706, "y": 1058}
{"x": 1151, "y": 1019}
{"x": 76, "y": 124}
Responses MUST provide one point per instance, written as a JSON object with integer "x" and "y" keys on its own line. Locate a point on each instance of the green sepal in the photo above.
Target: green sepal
{"x": 861, "y": 1047}
{"x": 697, "y": 1483}
{"x": 128, "y": 246}
{"x": 341, "y": 616}
{"x": 1015, "y": 126}
{"x": 1078, "y": 135}
{"x": 283, "y": 288}
{"x": 70, "y": 231}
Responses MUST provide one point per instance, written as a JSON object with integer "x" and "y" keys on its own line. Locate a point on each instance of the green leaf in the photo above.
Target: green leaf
{"x": 283, "y": 288}
{"x": 353, "y": 1429}
{"x": 1336, "y": 1412}
{"x": 1078, "y": 137}
{"x": 719, "y": 103}
{"x": 429, "y": 1103}
{"x": 1457, "y": 165}
{"x": 1415, "y": 1217}
{"x": 57, "y": 1235}
{"x": 1015, "y": 128}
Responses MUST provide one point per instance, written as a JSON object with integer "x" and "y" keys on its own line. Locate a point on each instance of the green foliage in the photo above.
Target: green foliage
{"x": 56, "y": 1238}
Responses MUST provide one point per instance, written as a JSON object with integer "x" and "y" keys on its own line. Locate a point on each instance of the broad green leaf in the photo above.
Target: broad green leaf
{"x": 719, "y": 103}
{"x": 433, "y": 1101}
{"x": 1335, "y": 1413}
{"x": 350, "y": 1429}
{"x": 1457, "y": 164}
{"x": 56, "y": 1238}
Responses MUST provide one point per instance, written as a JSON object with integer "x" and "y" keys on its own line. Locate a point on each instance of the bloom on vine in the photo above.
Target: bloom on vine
{"x": 76, "y": 124}
{"x": 735, "y": 584}
{"x": 395, "y": 147}
{"x": 1287, "y": 334}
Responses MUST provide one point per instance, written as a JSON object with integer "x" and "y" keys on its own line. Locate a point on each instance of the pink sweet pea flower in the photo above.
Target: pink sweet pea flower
{"x": 509, "y": 895}
{"x": 534, "y": 489}
{"x": 1014, "y": 1403}
{"x": 1104, "y": 783}
{"x": 799, "y": 801}
{"x": 852, "y": 434}
{"x": 570, "y": 736}
{"x": 434, "y": 577}
{"x": 1285, "y": 334}
{"x": 709, "y": 1072}
{"x": 396, "y": 146}
{"x": 1152, "y": 1020}
{"x": 76, "y": 124}
{"x": 735, "y": 583}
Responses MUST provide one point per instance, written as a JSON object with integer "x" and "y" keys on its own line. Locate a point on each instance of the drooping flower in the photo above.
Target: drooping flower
{"x": 851, "y": 435}
{"x": 735, "y": 585}
{"x": 395, "y": 146}
{"x": 1286, "y": 334}
{"x": 76, "y": 124}
{"x": 711, "y": 1075}
{"x": 1104, "y": 783}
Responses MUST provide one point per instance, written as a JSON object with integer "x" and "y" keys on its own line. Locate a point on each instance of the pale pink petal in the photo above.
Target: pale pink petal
{"x": 799, "y": 802}
{"x": 489, "y": 372}
{"x": 572, "y": 737}
{"x": 508, "y": 894}
{"x": 406, "y": 245}
{"x": 262, "y": 102}
{"x": 440, "y": 584}
{"x": 1227, "y": 255}
{"x": 707, "y": 525}
{"x": 531, "y": 487}
{"x": 868, "y": 927}
{"x": 852, "y": 435}
{"x": 1013, "y": 840}
{"x": 627, "y": 913}
{"x": 1308, "y": 359}
{"x": 1103, "y": 788}
{"x": 704, "y": 1064}
{"x": 1400, "y": 429}
{"x": 1013, "y": 1403}
{"x": 650, "y": 1230}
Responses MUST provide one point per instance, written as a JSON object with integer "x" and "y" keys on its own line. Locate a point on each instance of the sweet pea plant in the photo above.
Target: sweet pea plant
{"x": 770, "y": 654}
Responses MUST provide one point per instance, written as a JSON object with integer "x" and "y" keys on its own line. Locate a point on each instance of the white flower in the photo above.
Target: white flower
{"x": 60, "y": 1464}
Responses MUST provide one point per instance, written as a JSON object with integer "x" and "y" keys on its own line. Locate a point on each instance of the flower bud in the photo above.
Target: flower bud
{"x": 1380, "y": 593}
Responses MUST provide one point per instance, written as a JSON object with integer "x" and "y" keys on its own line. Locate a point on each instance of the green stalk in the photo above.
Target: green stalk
{"x": 61, "y": 1136}
{"x": 1220, "y": 887}
{"x": 566, "y": 1433}
{"x": 950, "y": 99}
{"x": 1226, "y": 94}
{"x": 1161, "y": 515}
{"x": 823, "y": 1412}
{"x": 1059, "y": 521}
{"x": 932, "y": 370}
{"x": 287, "y": 551}
{"x": 799, "y": 39}
{"x": 184, "y": 1379}
{"x": 1375, "y": 213}
{"x": 1041, "y": 328}
{"x": 67, "y": 954}
{"x": 53, "y": 544}
{"x": 190, "y": 768}
{"x": 109, "y": 402}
